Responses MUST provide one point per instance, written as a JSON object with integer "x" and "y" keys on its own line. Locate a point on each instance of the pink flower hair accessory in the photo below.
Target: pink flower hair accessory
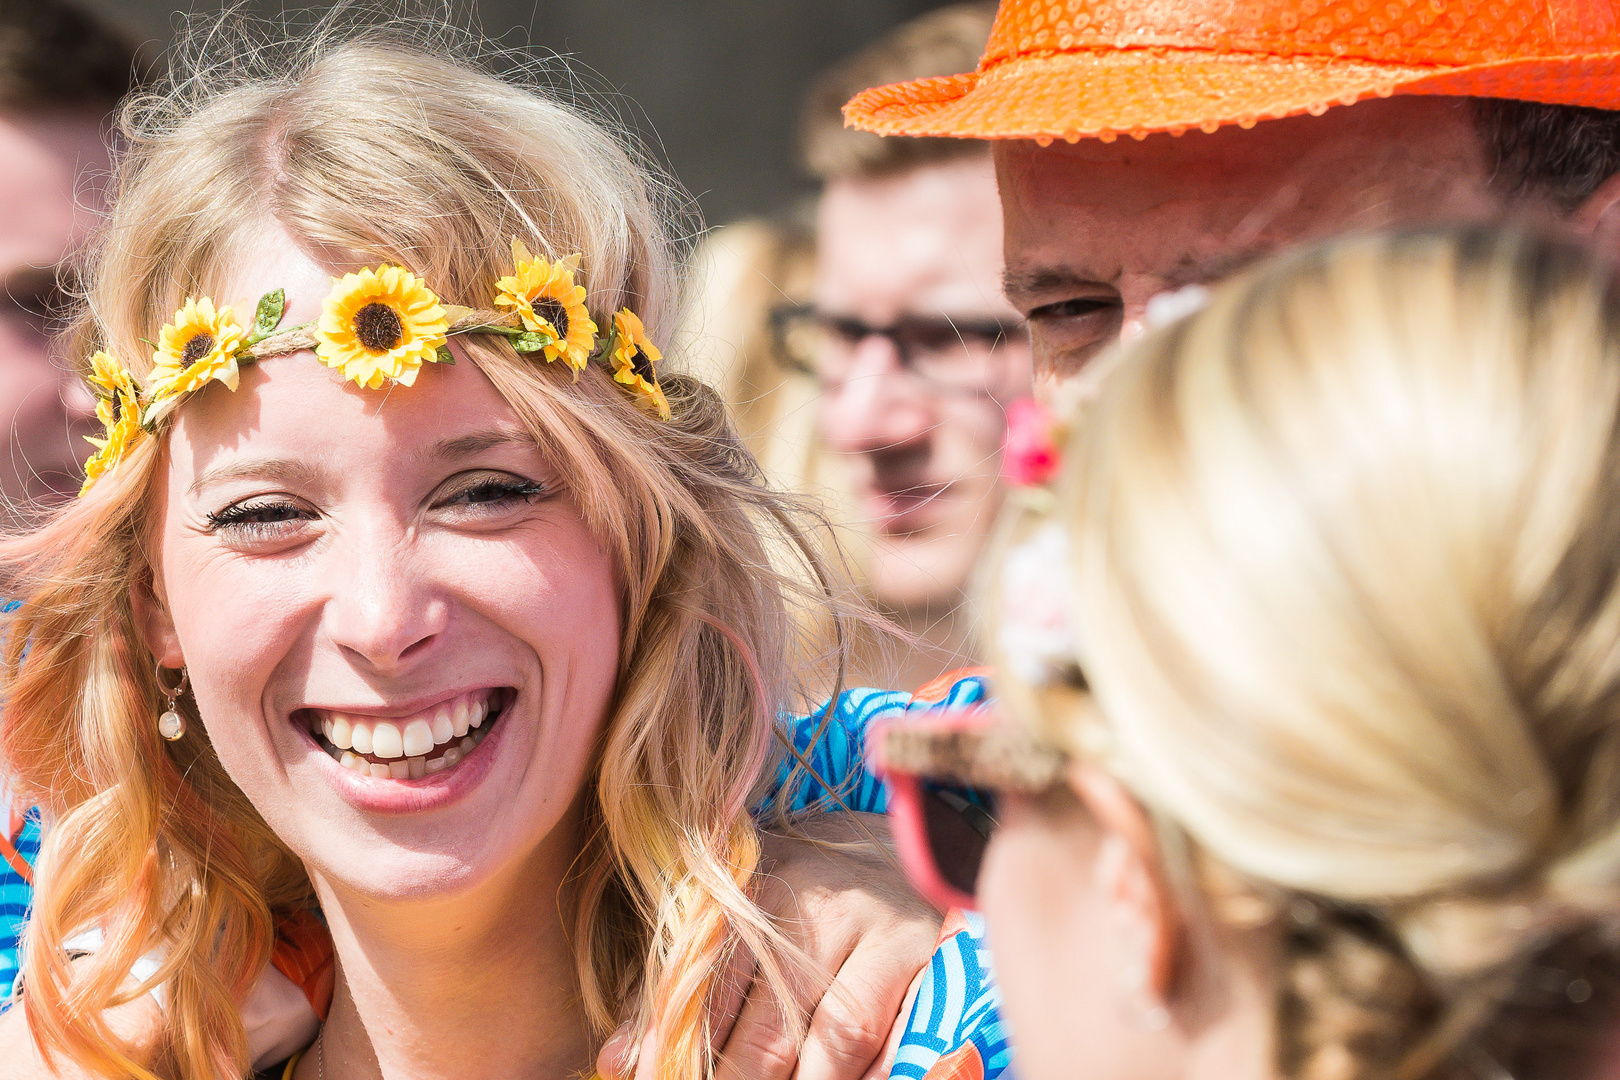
{"x": 1030, "y": 455}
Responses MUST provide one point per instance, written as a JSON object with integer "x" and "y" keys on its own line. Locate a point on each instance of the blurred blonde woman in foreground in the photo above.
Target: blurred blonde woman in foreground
{"x": 1312, "y": 767}
{"x": 460, "y": 622}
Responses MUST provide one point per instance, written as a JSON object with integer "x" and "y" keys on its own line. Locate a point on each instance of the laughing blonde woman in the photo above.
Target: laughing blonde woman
{"x": 407, "y": 585}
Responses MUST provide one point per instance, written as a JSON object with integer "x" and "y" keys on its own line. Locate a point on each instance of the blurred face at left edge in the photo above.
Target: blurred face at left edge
{"x": 49, "y": 163}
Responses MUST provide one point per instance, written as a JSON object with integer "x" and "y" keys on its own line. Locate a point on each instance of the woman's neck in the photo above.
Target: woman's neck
{"x": 482, "y": 985}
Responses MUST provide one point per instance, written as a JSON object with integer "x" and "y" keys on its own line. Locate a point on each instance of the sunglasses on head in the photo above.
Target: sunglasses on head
{"x": 945, "y": 772}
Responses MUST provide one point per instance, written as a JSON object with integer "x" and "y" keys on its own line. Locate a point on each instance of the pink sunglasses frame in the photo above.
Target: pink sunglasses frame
{"x": 971, "y": 747}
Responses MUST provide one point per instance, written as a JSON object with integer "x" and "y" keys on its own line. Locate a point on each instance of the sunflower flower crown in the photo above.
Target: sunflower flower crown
{"x": 378, "y": 327}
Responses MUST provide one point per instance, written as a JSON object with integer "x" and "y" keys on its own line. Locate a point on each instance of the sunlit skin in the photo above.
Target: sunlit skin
{"x": 50, "y": 164}
{"x": 391, "y": 549}
{"x": 924, "y": 464}
{"x": 1095, "y": 230}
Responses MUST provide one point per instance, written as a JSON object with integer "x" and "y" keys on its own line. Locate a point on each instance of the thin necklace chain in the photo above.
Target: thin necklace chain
{"x": 320, "y": 1055}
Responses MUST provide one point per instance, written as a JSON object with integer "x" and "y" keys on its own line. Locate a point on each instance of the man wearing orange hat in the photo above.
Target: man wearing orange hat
{"x": 1148, "y": 145}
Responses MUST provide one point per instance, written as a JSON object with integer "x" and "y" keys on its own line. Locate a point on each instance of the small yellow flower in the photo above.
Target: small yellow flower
{"x": 120, "y": 415}
{"x": 108, "y": 377}
{"x": 117, "y": 400}
{"x": 543, "y": 293}
{"x": 200, "y": 344}
{"x": 380, "y": 324}
{"x": 633, "y": 357}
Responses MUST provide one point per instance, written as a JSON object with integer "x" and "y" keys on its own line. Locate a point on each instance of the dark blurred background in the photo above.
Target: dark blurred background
{"x": 713, "y": 86}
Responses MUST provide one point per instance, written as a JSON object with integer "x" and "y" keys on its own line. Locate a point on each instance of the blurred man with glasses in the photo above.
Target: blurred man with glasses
{"x": 913, "y": 350}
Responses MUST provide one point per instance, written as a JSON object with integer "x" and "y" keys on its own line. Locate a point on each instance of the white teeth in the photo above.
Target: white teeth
{"x": 444, "y": 726}
{"x": 386, "y": 741}
{"x": 418, "y": 740}
{"x": 457, "y": 726}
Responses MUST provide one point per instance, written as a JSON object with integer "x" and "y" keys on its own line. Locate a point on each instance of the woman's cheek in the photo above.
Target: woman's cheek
{"x": 1035, "y": 891}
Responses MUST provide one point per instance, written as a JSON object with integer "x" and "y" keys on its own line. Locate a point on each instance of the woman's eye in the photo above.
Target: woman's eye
{"x": 258, "y": 519}
{"x": 494, "y": 492}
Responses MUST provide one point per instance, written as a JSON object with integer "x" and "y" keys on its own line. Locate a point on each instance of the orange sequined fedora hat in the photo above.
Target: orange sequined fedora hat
{"x": 1081, "y": 68}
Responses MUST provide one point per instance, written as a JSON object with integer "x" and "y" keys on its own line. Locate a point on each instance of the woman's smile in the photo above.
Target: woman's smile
{"x": 412, "y": 744}
{"x": 397, "y": 764}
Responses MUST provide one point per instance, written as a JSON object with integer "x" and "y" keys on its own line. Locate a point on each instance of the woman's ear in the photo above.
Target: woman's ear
{"x": 1130, "y": 876}
{"x": 155, "y": 626}
{"x": 1598, "y": 217}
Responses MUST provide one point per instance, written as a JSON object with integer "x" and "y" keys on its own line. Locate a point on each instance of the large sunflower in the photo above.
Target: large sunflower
{"x": 118, "y": 409}
{"x": 200, "y": 344}
{"x": 380, "y": 324}
{"x": 633, "y": 357}
{"x": 544, "y": 295}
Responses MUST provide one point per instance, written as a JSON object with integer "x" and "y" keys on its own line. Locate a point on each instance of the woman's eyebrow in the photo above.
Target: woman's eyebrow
{"x": 282, "y": 470}
{"x": 478, "y": 441}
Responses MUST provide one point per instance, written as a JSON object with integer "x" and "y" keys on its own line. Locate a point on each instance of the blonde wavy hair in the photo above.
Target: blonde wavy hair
{"x": 1345, "y": 557}
{"x": 359, "y": 142}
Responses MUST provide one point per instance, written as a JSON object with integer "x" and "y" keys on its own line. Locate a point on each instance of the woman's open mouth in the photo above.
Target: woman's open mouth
{"x": 410, "y": 747}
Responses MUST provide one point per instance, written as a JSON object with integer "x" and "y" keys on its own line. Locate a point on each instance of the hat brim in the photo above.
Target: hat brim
{"x": 1140, "y": 91}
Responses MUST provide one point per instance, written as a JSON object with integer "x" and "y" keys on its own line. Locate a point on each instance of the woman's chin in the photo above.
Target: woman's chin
{"x": 441, "y": 832}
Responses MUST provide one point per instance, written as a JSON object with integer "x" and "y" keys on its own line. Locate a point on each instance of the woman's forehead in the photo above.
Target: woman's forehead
{"x": 294, "y": 406}
{"x": 271, "y": 260}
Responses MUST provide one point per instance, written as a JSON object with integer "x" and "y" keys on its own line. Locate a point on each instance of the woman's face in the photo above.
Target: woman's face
{"x": 399, "y": 572}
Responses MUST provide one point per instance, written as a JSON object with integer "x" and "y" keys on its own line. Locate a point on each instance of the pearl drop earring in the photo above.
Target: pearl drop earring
{"x": 171, "y": 725}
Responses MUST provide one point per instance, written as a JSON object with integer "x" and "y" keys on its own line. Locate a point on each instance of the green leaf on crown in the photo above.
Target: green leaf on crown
{"x": 272, "y": 306}
{"x": 529, "y": 342}
{"x": 445, "y": 356}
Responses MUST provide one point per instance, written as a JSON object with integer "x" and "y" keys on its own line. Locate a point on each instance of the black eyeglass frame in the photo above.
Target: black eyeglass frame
{"x": 989, "y": 331}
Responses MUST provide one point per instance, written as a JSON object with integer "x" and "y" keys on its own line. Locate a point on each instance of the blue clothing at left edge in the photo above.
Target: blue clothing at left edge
{"x": 954, "y": 1031}
{"x": 15, "y": 893}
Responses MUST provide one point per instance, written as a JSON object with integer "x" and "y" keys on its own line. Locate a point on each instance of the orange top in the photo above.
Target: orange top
{"x": 1073, "y": 69}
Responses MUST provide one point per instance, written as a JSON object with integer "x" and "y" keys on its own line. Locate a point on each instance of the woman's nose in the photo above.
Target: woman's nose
{"x": 383, "y": 611}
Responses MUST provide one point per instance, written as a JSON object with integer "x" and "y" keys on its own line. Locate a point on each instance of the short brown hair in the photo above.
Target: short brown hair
{"x": 54, "y": 53}
{"x": 1562, "y": 152}
{"x": 943, "y": 42}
